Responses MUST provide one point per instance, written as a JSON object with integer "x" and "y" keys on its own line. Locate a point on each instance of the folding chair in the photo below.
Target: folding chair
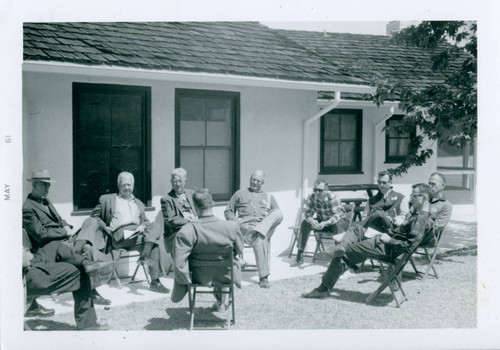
{"x": 117, "y": 254}
{"x": 432, "y": 244}
{"x": 392, "y": 277}
{"x": 216, "y": 258}
{"x": 248, "y": 267}
{"x": 296, "y": 233}
{"x": 321, "y": 236}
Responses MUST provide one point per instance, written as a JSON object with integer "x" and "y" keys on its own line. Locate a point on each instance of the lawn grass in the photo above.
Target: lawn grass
{"x": 447, "y": 302}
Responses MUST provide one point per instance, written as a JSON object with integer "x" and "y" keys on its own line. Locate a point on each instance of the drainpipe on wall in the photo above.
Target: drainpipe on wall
{"x": 305, "y": 138}
{"x": 376, "y": 141}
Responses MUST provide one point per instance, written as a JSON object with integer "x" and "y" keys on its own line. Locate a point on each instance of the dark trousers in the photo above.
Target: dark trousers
{"x": 57, "y": 268}
{"x": 356, "y": 253}
{"x": 305, "y": 231}
{"x": 379, "y": 220}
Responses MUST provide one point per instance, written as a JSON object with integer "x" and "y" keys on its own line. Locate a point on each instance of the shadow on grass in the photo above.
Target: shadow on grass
{"x": 178, "y": 318}
{"x": 37, "y": 324}
{"x": 359, "y": 297}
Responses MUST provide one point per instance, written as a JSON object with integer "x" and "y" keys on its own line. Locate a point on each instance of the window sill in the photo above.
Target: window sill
{"x": 390, "y": 161}
{"x": 87, "y": 212}
{"x": 341, "y": 172}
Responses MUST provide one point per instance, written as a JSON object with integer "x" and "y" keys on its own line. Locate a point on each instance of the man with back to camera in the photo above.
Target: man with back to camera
{"x": 258, "y": 215}
{"x": 207, "y": 233}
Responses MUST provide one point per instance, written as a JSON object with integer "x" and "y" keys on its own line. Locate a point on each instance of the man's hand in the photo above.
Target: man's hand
{"x": 140, "y": 228}
{"x": 385, "y": 237}
{"x": 314, "y": 224}
{"x": 108, "y": 230}
{"x": 398, "y": 221}
{"x": 321, "y": 225}
{"x": 69, "y": 230}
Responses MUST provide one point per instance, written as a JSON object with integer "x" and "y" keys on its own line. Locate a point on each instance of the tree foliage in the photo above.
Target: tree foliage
{"x": 445, "y": 111}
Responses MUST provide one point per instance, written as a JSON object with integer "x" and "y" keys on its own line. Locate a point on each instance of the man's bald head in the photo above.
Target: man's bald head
{"x": 257, "y": 180}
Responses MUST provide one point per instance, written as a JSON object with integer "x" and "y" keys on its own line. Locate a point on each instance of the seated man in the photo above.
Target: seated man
{"x": 324, "y": 212}
{"x": 177, "y": 207}
{"x": 258, "y": 215}
{"x": 384, "y": 246}
{"x": 43, "y": 223}
{"x": 205, "y": 233}
{"x": 440, "y": 208}
{"x": 387, "y": 208}
{"x": 121, "y": 219}
{"x": 56, "y": 268}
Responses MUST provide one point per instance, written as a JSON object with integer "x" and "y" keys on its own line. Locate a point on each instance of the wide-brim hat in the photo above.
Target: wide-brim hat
{"x": 40, "y": 175}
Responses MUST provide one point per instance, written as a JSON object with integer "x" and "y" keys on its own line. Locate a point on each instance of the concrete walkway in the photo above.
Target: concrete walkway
{"x": 461, "y": 232}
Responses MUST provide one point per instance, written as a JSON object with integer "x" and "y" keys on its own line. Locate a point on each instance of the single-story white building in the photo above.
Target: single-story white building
{"x": 220, "y": 99}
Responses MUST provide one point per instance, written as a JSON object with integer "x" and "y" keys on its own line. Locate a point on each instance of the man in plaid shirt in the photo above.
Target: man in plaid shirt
{"x": 385, "y": 246}
{"x": 324, "y": 212}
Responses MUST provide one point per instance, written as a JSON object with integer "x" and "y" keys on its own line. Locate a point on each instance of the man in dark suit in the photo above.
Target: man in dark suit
{"x": 43, "y": 224}
{"x": 387, "y": 209}
{"x": 177, "y": 207}
{"x": 121, "y": 218}
{"x": 56, "y": 268}
{"x": 205, "y": 233}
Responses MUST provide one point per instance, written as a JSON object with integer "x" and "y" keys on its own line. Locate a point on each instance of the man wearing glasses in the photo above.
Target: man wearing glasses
{"x": 387, "y": 208}
{"x": 324, "y": 212}
{"x": 385, "y": 246}
{"x": 258, "y": 215}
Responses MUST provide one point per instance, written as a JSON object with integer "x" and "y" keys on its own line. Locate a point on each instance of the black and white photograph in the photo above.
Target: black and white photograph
{"x": 279, "y": 176}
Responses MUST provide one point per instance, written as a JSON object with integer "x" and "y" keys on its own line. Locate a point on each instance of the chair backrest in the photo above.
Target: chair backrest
{"x": 219, "y": 257}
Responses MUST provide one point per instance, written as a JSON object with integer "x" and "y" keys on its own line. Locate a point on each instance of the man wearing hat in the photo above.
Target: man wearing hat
{"x": 43, "y": 224}
{"x": 207, "y": 233}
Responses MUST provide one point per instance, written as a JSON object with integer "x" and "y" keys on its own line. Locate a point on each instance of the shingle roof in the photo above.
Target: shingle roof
{"x": 364, "y": 55}
{"x": 237, "y": 48}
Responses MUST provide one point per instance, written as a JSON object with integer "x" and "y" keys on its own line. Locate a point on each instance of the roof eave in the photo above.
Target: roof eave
{"x": 181, "y": 76}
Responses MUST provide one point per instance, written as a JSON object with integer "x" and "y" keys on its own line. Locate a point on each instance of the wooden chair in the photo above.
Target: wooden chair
{"x": 391, "y": 272}
{"x": 219, "y": 258}
{"x": 424, "y": 251}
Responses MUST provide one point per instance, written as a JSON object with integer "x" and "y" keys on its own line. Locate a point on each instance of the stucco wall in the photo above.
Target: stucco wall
{"x": 373, "y": 152}
{"x": 270, "y": 137}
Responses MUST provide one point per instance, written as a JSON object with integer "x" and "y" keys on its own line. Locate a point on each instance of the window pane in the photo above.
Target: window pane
{"x": 126, "y": 120}
{"x": 332, "y": 127}
{"x": 404, "y": 145}
{"x": 192, "y": 161}
{"x": 348, "y": 127}
{"x": 94, "y": 125}
{"x": 218, "y": 122}
{"x": 218, "y": 171}
{"x": 346, "y": 154}
{"x": 331, "y": 157}
{"x": 192, "y": 108}
{"x": 192, "y": 133}
{"x": 393, "y": 147}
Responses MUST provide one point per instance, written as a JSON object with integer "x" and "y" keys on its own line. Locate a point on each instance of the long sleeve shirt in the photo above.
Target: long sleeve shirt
{"x": 250, "y": 206}
{"x": 441, "y": 212}
{"x": 330, "y": 210}
{"x": 412, "y": 231}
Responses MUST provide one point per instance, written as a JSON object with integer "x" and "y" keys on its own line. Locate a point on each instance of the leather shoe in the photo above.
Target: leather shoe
{"x": 100, "y": 300}
{"x": 156, "y": 286}
{"x": 219, "y": 306}
{"x": 37, "y": 310}
{"x": 95, "y": 327}
{"x": 264, "y": 283}
{"x": 316, "y": 294}
{"x": 99, "y": 267}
